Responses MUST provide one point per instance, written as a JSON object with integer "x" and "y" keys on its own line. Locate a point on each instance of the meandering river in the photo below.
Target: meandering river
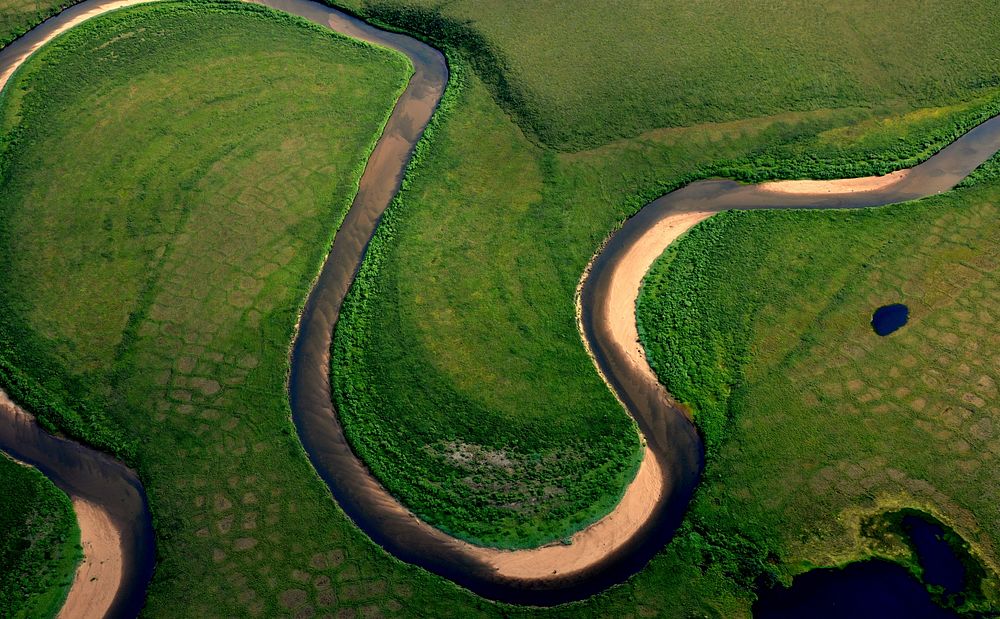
{"x": 601, "y": 555}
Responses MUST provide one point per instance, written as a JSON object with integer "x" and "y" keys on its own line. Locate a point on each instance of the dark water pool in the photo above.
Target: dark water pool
{"x": 877, "y": 588}
{"x": 890, "y": 318}
{"x": 874, "y": 589}
{"x": 940, "y": 563}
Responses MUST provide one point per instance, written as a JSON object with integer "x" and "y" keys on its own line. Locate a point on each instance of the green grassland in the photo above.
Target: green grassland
{"x": 173, "y": 177}
{"x": 760, "y": 322}
{"x": 458, "y": 368}
{"x": 39, "y": 543}
{"x": 579, "y": 74}
{"x": 244, "y": 526}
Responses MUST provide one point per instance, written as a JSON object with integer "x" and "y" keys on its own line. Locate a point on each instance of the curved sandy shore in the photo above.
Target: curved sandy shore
{"x": 590, "y": 545}
{"x": 100, "y": 573}
{"x": 842, "y": 186}
{"x": 626, "y": 282}
{"x": 629, "y": 272}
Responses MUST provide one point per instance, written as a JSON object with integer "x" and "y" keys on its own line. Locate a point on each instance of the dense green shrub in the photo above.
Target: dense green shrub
{"x": 39, "y": 543}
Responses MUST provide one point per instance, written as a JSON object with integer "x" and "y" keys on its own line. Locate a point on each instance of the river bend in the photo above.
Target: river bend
{"x": 606, "y": 307}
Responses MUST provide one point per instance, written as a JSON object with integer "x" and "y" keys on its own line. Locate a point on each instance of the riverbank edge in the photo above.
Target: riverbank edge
{"x": 76, "y": 535}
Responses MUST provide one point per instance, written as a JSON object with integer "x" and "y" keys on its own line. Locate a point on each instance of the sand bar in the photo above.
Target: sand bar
{"x": 99, "y": 575}
{"x": 839, "y": 186}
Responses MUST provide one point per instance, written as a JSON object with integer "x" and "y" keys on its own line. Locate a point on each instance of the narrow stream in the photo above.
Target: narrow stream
{"x": 667, "y": 429}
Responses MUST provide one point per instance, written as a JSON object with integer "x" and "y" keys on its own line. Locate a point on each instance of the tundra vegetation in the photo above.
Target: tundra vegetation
{"x": 39, "y": 543}
{"x": 457, "y": 366}
{"x": 127, "y": 322}
{"x": 759, "y": 321}
{"x": 578, "y": 75}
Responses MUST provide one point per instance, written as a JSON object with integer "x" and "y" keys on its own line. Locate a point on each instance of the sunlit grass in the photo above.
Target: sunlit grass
{"x": 760, "y": 321}
{"x": 579, "y": 74}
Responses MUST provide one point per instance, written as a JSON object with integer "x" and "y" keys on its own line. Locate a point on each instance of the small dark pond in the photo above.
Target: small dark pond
{"x": 870, "y": 589}
{"x": 889, "y": 318}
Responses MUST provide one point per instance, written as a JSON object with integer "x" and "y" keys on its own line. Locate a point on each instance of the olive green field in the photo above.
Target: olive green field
{"x": 173, "y": 175}
{"x": 578, "y": 75}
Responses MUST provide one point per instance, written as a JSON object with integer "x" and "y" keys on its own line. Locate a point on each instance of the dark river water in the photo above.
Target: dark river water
{"x": 668, "y": 431}
{"x": 96, "y": 477}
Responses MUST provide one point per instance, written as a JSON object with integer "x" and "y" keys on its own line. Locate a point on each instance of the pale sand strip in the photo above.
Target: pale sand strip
{"x": 99, "y": 575}
{"x": 597, "y": 541}
{"x": 591, "y": 545}
{"x": 839, "y": 186}
{"x": 626, "y": 281}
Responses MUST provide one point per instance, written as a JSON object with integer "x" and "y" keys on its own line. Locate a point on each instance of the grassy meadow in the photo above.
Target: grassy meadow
{"x": 760, "y": 321}
{"x": 127, "y": 322}
{"x": 173, "y": 174}
{"x": 39, "y": 543}
{"x": 579, "y": 74}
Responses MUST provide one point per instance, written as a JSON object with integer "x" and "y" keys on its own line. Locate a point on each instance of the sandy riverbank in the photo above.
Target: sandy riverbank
{"x": 839, "y": 186}
{"x": 626, "y": 281}
{"x": 592, "y": 544}
{"x": 99, "y": 575}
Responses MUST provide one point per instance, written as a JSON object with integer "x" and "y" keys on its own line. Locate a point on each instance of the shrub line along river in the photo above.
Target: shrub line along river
{"x": 606, "y": 304}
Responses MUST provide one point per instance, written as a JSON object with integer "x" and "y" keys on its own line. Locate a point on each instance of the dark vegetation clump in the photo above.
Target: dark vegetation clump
{"x": 39, "y": 543}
